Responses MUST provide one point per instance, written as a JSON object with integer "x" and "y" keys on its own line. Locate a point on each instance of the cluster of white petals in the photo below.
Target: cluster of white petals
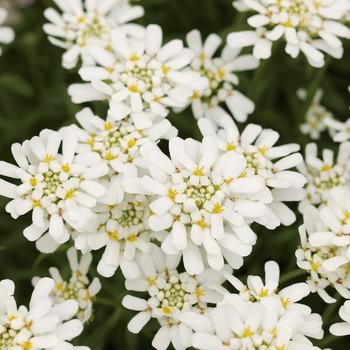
{"x": 77, "y": 287}
{"x": 6, "y": 33}
{"x": 317, "y": 117}
{"x": 259, "y": 317}
{"x": 342, "y": 328}
{"x": 41, "y": 326}
{"x": 171, "y": 296}
{"x": 78, "y": 25}
{"x": 308, "y": 26}
{"x": 221, "y": 74}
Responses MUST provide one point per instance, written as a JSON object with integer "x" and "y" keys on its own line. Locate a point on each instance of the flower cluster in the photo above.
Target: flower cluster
{"x": 42, "y": 325}
{"x": 259, "y": 318}
{"x": 83, "y": 24}
{"x": 310, "y": 27}
{"x": 6, "y": 33}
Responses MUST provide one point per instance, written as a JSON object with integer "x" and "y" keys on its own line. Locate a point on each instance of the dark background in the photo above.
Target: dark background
{"x": 33, "y": 96}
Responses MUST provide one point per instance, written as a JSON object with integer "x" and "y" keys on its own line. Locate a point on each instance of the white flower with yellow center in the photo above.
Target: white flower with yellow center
{"x": 6, "y": 33}
{"x": 202, "y": 203}
{"x": 325, "y": 263}
{"x": 84, "y": 23}
{"x": 141, "y": 74}
{"x": 42, "y": 325}
{"x": 222, "y": 78}
{"x": 316, "y": 116}
{"x": 58, "y": 186}
{"x": 122, "y": 231}
{"x": 309, "y": 26}
{"x": 257, "y": 290}
{"x": 258, "y": 318}
{"x": 170, "y": 295}
{"x": 272, "y": 163}
{"x": 343, "y": 328}
{"x": 78, "y": 286}
{"x": 323, "y": 174}
{"x": 117, "y": 140}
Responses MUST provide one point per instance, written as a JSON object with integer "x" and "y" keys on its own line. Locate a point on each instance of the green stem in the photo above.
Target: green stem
{"x": 291, "y": 275}
{"x": 327, "y": 340}
{"x": 106, "y": 302}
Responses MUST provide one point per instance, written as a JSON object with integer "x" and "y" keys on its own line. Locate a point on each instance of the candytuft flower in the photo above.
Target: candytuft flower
{"x": 343, "y": 328}
{"x": 42, "y": 325}
{"x": 85, "y": 23}
{"x": 222, "y": 79}
{"x": 6, "y": 33}
{"x": 59, "y": 187}
{"x": 78, "y": 286}
{"x": 141, "y": 75}
{"x": 311, "y": 27}
{"x": 170, "y": 296}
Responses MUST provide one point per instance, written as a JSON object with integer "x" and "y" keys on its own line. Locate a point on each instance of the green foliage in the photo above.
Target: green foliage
{"x": 33, "y": 96}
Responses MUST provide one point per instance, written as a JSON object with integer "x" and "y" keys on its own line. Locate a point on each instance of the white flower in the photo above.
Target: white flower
{"x": 264, "y": 159}
{"x": 343, "y": 328}
{"x": 323, "y": 174}
{"x": 121, "y": 229}
{"x": 170, "y": 295}
{"x": 6, "y": 33}
{"x": 258, "y": 318}
{"x": 42, "y": 325}
{"x": 59, "y": 187}
{"x": 84, "y": 23}
{"x": 328, "y": 265}
{"x": 201, "y": 202}
{"x": 308, "y": 26}
{"x": 78, "y": 286}
{"x": 221, "y": 75}
{"x": 316, "y": 116}
{"x": 140, "y": 74}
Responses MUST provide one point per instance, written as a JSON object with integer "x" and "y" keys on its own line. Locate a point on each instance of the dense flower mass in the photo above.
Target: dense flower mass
{"x": 6, "y": 33}
{"x": 85, "y": 23}
{"x": 258, "y": 318}
{"x": 42, "y": 325}
{"x": 221, "y": 73}
{"x": 309, "y": 27}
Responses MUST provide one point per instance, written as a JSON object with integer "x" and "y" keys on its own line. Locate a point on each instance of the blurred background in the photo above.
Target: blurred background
{"x": 33, "y": 96}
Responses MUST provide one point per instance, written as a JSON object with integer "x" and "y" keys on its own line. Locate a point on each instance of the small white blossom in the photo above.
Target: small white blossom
{"x": 316, "y": 117}
{"x": 258, "y": 318}
{"x": 42, "y": 325}
{"x": 170, "y": 295}
{"x": 202, "y": 203}
{"x": 86, "y": 23}
{"x": 264, "y": 159}
{"x": 58, "y": 186}
{"x": 141, "y": 75}
{"x": 6, "y": 33}
{"x": 308, "y": 26}
{"x": 122, "y": 229}
{"x": 78, "y": 286}
{"x": 323, "y": 174}
{"x": 343, "y": 328}
{"x": 222, "y": 79}
{"x": 328, "y": 265}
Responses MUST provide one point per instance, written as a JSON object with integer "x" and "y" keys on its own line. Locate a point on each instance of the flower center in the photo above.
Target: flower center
{"x": 173, "y": 295}
{"x": 91, "y": 28}
{"x": 200, "y": 193}
{"x": 132, "y": 215}
{"x": 52, "y": 182}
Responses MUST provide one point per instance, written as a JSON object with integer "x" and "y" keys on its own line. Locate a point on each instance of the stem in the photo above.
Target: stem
{"x": 327, "y": 340}
{"x": 291, "y": 275}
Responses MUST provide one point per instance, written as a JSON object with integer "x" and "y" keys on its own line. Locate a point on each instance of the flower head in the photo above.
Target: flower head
{"x": 78, "y": 287}
{"x": 141, "y": 75}
{"x": 202, "y": 202}
{"x": 343, "y": 328}
{"x": 86, "y": 23}
{"x": 323, "y": 174}
{"x": 58, "y": 186}
{"x": 311, "y": 27}
{"x": 6, "y": 33}
{"x": 42, "y": 325}
{"x": 222, "y": 79}
{"x": 170, "y": 295}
